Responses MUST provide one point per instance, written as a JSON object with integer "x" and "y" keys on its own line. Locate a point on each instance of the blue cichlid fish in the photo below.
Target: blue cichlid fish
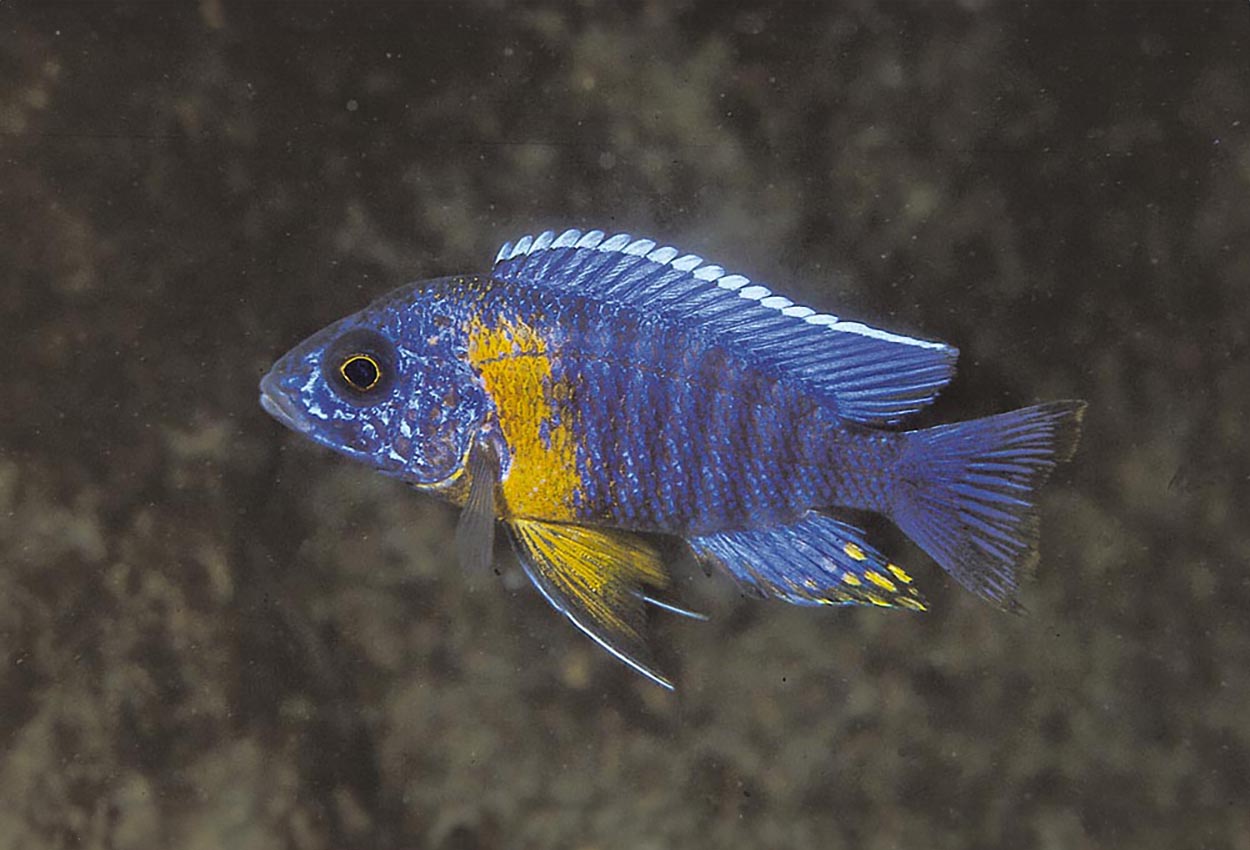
{"x": 589, "y": 390}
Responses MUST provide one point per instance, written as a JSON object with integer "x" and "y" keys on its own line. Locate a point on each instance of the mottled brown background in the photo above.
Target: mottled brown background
{"x": 214, "y": 636}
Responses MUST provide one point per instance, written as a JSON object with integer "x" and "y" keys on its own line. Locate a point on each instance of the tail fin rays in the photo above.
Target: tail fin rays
{"x": 969, "y": 489}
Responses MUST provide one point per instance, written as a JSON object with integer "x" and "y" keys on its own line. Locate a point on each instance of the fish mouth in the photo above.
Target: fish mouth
{"x": 279, "y": 405}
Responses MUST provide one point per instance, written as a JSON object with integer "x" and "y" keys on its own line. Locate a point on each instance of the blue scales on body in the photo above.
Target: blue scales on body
{"x": 590, "y": 391}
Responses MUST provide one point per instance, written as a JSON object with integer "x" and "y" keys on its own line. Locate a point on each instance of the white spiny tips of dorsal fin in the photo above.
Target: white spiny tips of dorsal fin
{"x": 733, "y": 281}
{"x": 615, "y": 244}
{"x": 522, "y": 246}
{"x": 505, "y": 252}
{"x": 755, "y": 293}
{"x": 663, "y": 256}
{"x": 639, "y": 247}
{"x": 543, "y": 241}
{"x": 709, "y": 273}
{"x": 823, "y": 319}
{"x": 687, "y": 263}
{"x": 590, "y": 239}
{"x": 567, "y": 239}
{"x": 798, "y": 311}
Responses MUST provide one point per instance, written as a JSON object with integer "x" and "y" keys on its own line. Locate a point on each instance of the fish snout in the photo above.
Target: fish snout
{"x": 277, "y": 402}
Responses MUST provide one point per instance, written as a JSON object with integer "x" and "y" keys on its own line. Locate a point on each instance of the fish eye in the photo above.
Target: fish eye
{"x": 360, "y": 366}
{"x": 361, "y": 372}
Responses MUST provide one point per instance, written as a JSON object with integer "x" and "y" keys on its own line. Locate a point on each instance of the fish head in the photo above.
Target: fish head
{"x": 384, "y": 387}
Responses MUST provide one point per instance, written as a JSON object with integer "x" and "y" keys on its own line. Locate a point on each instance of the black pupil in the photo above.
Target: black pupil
{"x": 360, "y": 372}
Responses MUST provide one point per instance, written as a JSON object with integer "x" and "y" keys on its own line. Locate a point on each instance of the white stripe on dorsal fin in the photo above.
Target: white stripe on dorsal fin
{"x": 873, "y": 376}
{"x": 886, "y": 336}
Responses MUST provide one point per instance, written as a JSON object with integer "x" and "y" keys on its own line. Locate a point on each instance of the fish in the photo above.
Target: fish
{"x": 593, "y": 394}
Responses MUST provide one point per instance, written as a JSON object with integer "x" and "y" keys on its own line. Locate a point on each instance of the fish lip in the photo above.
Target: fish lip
{"x": 279, "y": 405}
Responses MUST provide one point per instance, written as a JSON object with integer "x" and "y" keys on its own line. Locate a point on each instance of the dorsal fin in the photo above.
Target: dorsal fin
{"x": 871, "y": 376}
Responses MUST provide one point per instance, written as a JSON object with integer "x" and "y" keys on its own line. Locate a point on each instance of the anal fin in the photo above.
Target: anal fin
{"x": 816, "y": 561}
{"x": 596, "y": 578}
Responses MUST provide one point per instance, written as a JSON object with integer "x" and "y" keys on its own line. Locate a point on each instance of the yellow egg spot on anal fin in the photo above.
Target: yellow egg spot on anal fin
{"x": 881, "y": 581}
{"x": 855, "y": 552}
{"x": 898, "y": 573}
{"x": 851, "y": 579}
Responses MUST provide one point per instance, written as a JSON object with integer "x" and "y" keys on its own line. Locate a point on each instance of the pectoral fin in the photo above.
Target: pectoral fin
{"x": 596, "y": 579}
{"x": 475, "y": 532}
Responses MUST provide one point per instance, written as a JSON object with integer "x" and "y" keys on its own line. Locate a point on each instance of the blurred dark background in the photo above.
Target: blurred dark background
{"x": 212, "y": 635}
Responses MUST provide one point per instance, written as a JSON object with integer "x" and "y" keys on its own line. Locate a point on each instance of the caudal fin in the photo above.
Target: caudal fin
{"x": 968, "y": 493}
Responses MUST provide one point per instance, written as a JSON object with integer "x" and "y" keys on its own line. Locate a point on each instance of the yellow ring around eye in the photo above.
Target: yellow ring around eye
{"x": 348, "y": 361}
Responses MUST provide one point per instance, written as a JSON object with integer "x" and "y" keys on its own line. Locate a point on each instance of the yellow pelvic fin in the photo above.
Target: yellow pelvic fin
{"x": 513, "y": 359}
{"x": 596, "y": 578}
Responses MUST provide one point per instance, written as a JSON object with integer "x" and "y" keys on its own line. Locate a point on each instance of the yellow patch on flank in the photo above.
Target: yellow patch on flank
{"x": 513, "y": 360}
{"x": 855, "y": 552}
{"x": 898, "y": 573}
{"x": 851, "y": 579}
{"x": 881, "y": 581}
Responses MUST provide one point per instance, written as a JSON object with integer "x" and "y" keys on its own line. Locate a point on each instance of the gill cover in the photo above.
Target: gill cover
{"x": 443, "y": 409}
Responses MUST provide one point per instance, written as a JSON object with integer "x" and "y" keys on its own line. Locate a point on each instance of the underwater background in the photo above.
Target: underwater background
{"x": 215, "y": 635}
